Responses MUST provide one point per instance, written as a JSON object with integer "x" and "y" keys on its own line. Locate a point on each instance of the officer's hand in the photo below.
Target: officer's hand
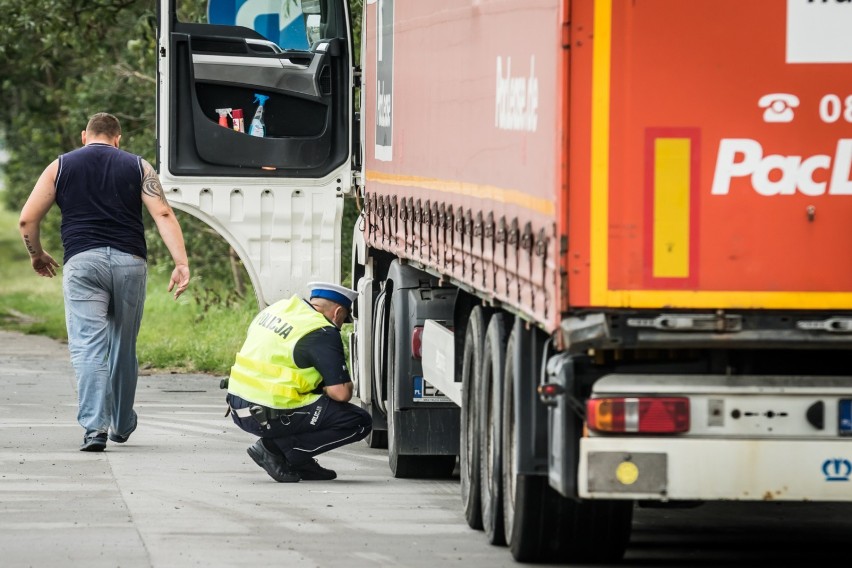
{"x": 44, "y": 264}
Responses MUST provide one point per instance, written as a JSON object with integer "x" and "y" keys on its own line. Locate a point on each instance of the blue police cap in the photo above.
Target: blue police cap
{"x": 333, "y": 292}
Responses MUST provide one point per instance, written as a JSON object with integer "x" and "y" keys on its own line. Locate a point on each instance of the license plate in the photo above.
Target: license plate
{"x": 424, "y": 392}
{"x": 844, "y": 417}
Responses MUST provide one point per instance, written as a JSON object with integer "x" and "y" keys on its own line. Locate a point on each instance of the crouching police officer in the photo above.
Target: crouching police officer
{"x": 289, "y": 385}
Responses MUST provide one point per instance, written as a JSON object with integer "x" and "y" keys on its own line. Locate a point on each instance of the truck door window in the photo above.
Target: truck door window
{"x": 289, "y": 24}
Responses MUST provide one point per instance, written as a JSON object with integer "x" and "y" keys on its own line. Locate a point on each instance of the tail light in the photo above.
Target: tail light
{"x": 645, "y": 415}
{"x": 417, "y": 342}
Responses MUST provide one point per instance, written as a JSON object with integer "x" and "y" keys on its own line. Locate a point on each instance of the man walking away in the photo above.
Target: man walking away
{"x": 100, "y": 191}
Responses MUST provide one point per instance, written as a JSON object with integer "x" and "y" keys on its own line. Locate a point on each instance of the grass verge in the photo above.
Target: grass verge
{"x": 200, "y": 332}
{"x": 194, "y": 333}
{"x": 28, "y": 302}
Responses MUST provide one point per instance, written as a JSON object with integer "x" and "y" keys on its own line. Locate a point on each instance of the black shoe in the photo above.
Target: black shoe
{"x": 94, "y": 443}
{"x": 276, "y": 466}
{"x": 313, "y": 471}
{"x": 121, "y": 439}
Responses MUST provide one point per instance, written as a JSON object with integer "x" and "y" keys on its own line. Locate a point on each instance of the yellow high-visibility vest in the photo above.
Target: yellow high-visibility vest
{"x": 265, "y": 372}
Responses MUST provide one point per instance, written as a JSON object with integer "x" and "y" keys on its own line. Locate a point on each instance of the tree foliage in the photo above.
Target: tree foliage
{"x": 63, "y": 60}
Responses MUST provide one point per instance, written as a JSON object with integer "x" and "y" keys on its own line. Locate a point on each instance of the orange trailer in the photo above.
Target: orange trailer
{"x": 599, "y": 256}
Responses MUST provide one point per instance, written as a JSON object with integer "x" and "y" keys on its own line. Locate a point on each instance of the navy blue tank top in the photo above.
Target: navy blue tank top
{"x": 99, "y": 191}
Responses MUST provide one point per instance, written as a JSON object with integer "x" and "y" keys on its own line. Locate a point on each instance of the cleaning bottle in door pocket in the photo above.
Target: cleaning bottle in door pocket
{"x": 258, "y": 128}
{"x": 223, "y": 116}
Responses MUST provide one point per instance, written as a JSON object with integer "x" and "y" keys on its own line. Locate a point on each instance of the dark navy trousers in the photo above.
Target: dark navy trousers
{"x": 302, "y": 433}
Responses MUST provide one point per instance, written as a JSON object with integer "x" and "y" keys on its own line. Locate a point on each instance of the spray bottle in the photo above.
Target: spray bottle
{"x": 238, "y": 122}
{"x": 224, "y": 113}
{"x": 258, "y": 128}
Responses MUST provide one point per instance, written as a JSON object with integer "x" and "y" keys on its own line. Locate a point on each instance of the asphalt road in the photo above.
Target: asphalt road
{"x": 183, "y": 492}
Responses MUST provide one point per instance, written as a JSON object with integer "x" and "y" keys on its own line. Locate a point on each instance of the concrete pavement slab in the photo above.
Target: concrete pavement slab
{"x": 183, "y": 492}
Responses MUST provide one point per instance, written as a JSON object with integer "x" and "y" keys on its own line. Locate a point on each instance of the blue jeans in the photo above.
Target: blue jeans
{"x": 104, "y": 297}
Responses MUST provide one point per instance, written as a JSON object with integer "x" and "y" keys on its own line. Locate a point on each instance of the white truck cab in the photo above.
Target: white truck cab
{"x": 276, "y": 199}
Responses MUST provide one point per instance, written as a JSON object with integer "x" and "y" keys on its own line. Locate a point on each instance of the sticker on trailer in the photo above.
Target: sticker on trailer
{"x": 818, "y": 31}
{"x": 837, "y": 469}
{"x": 424, "y": 392}
{"x": 384, "y": 81}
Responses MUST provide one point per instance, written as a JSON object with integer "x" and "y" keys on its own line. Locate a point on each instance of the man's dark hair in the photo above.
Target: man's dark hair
{"x": 103, "y": 123}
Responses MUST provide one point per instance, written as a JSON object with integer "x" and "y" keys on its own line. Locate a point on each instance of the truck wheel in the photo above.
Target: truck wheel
{"x": 378, "y": 438}
{"x": 529, "y": 531}
{"x": 469, "y": 459}
{"x": 548, "y": 527}
{"x": 540, "y": 524}
{"x": 528, "y": 516}
{"x": 491, "y": 428}
{"x": 405, "y": 465}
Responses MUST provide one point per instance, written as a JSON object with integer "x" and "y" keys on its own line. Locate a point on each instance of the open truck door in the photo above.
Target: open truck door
{"x": 277, "y": 199}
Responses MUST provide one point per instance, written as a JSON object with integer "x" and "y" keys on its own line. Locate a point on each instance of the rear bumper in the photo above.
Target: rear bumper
{"x": 706, "y": 469}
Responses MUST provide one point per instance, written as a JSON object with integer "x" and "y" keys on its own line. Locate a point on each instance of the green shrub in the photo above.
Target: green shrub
{"x": 200, "y": 332}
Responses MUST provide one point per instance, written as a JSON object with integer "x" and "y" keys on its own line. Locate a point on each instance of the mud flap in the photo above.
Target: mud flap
{"x": 425, "y": 428}
{"x": 564, "y": 428}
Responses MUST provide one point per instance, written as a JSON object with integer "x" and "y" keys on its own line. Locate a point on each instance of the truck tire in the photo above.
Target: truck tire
{"x": 530, "y": 534}
{"x": 528, "y": 514}
{"x": 540, "y": 524}
{"x": 469, "y": 458}
{"x": 548, "y": 527}
{"x": 405, "y": 465}
{"x": 491, "y": 428}
{"x": 378, "y": 438}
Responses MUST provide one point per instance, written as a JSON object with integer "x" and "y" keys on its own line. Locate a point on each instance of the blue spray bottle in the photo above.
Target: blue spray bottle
{"x": 258, "y": 128}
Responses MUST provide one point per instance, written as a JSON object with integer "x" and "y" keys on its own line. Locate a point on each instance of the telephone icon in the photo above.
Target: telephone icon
{"x": 779, "y": 107}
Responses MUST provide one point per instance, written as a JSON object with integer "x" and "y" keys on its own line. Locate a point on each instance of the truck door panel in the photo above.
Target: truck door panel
{"x": 302, "y": 121}
{"x": 277, "y": 199}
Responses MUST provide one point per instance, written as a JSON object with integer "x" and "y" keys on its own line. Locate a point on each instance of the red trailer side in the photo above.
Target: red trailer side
{"x": 463, "y": 168}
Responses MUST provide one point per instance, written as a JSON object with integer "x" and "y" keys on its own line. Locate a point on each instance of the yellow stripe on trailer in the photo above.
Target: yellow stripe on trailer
{"x": 671, "y": 189}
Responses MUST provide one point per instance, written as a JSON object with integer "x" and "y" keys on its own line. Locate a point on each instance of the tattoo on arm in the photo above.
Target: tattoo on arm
{"x": 151, "y": 185}
{"x": 30, "y": 248}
